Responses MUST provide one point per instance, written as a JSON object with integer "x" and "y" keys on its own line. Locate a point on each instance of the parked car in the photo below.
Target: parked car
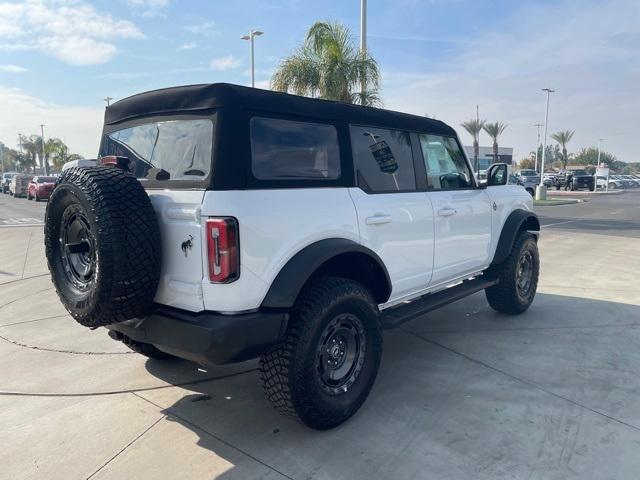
{"x": 530, "y": 180}
{"x": 228, "y": 223}
{"x": 574, "y": 180}
{"x": 6, "y": 181}
{"x": 547, "y": 179}
{"x": 40, "y": 188}
{"x": 19, "y": 185}
{"x": 633, "y": 183}
{"x": 618, "y": 182}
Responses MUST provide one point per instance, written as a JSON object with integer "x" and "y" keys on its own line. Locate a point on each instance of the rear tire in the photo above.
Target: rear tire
{"x": 102, "y": 244}
{"x": 326, "y": 364}
{"x": 517, "y": 277}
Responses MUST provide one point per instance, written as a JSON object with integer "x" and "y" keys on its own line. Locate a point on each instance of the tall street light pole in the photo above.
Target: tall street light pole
{"x": 537, "y": 145}
{"x": 108, "y": 100}
{"x": 44, "y": 158}
{"x": 541, "y": 193}
{"x": 363, "y": 43}
{"x": 252, "y": 34}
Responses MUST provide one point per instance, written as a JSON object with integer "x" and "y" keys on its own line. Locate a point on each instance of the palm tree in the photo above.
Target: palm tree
{"x": 494, "y": 130}
{"x": 474, "y": 127}
{"x": 563, "y": 138}
{"x": 328, "y": 65}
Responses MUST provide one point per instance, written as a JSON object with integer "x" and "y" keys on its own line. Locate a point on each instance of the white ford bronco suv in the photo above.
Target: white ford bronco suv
{"x": 226, "y": 223}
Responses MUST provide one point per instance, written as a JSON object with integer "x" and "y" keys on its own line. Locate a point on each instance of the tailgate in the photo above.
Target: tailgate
{"x": 178, "y": 213}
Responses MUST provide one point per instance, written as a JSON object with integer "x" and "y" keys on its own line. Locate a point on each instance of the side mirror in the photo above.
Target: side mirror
{"x": 497, "y": 174}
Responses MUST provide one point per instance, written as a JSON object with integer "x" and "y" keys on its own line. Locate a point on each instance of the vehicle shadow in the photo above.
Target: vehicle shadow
{"x": 461, "y": 390}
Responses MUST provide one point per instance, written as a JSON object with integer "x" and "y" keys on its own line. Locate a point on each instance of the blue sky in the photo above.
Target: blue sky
{"x": 60, "y": 58}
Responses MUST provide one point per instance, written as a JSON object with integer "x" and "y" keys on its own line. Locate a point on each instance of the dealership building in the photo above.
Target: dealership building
{"x": 485, "y": 157}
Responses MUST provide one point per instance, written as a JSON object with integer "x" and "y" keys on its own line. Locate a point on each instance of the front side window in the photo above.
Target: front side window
{"x": 165, "y": 150}
{"x": 383, "y": 159}
{"x": 445, "y": 163}
{"x": 292, "y": 150}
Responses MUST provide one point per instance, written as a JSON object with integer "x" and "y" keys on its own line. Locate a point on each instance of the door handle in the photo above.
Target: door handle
{"x": 378, "y": 219}
{"x": 446, "y": 212}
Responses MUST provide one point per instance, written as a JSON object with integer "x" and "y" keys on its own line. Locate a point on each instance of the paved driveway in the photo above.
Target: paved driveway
{"x": 462, "y": 393}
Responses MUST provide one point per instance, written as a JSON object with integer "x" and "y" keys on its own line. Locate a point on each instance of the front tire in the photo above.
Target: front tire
{"x": 326, "y": 364}
{"x": 517, "y": 277}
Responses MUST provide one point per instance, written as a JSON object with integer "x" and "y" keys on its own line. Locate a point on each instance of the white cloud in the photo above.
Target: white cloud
{"x": 79, "y": 127}
{"x": 228, "y": 62}
{"x": 589, "y": 52}
{"x": 12, "y": 69}
{"x": 70, "y": 30}
{"x": 149, "y": 8}
{"x": 206, "y": 28}
{"x": 188, "y": 46}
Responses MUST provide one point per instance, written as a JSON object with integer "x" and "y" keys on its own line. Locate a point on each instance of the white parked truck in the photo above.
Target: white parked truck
{"x": 227, "y": 223}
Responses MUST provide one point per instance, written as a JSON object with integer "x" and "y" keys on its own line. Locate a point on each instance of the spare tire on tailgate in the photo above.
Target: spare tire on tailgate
{"x": 102, "y": 243}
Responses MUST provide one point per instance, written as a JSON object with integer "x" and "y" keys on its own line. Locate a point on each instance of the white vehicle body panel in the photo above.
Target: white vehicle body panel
{"x": 181, "y": 275}
{"x": 462, "y": 232}
{"x": 422, "y": 251}
{"x": 399, "y": 227}
{"x": 274, "y": 226}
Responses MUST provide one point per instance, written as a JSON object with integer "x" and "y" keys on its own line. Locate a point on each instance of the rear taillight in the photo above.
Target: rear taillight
{"x": 115, "y": 161}
{"x": 223, "y": 249}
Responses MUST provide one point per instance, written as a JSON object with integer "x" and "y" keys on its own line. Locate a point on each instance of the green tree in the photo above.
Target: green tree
{"x": 474, "y": 127}
{"x": 494, "y": 130}
{"x": 59, "y": 153}
{"x": 31, "y": 147}
{"x": 528, "y": 163}
{"x": 589, "y": 157}
{"x": 563, "y": 138}
{"x": 328, "y": 65}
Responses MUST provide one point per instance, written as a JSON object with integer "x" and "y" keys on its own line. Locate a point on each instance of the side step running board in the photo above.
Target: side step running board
{"x": 395, "y": 316}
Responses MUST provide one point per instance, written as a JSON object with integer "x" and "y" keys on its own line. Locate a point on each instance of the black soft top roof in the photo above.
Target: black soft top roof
{"x": 199, "y": 98}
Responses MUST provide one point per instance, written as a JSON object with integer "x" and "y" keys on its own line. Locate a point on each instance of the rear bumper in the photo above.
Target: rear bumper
{"x": 206, "y": 337}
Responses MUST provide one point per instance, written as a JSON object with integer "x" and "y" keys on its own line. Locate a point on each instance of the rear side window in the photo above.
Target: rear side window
{"x": 291, "y": 150}
{"x": 166, "y": 150}
{"x": 383, "y": 159}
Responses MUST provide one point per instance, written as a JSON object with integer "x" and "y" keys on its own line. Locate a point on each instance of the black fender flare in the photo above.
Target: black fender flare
{"x": 287, "y": 285}
{"x": 516, "y": 221}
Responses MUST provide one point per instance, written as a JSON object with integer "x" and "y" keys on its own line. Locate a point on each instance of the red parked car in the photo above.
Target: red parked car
{"x": 40, "y": 188}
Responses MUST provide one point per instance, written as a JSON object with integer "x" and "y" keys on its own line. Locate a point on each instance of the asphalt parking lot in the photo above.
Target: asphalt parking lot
{"x": 463, "y": 393}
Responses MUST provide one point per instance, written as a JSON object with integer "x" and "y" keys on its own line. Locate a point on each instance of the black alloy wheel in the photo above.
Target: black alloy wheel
{"x": 340, "y": 354}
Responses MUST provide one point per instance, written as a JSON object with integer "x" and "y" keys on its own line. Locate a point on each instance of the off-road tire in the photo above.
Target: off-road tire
{"x": 505, "y": 296}
{"x": 148, "y": 350}
{"x": 124, "y": 245}
{"x": 289, "y": 372}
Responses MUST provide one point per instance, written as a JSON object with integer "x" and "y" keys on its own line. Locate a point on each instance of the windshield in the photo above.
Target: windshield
{"x": 46, "y": 180}
{"x": 167, "y": 150}
{"x": 528, "y": 173}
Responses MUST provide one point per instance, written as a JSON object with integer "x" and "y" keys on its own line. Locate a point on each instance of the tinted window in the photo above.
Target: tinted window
{"x": 383, "y": 159}
{"x": 445, "y": 163}
{"x": 284, "y": 149}
{"x": 168, "y": 150}
{"x": 46, "y": 179}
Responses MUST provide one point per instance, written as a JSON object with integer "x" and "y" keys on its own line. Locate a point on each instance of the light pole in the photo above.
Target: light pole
{"x": 108, "y": 100}
{"x": 363, "y": 44}
{"x": 2, "y": 156}
{"x": 537, "y": 145}
{"x": 44, "y": 158}
{"x": 541, "y": 193}
{"x": 599, "y": 149}
{"x": 252, "y": 33}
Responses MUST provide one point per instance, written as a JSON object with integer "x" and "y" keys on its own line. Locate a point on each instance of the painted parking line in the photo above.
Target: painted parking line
{"x": 21, "y": 222}
{"x": 557, "y": 223}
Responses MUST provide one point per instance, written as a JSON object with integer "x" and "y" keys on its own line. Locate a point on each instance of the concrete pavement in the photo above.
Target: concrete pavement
{"x": 462, "y": 393}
